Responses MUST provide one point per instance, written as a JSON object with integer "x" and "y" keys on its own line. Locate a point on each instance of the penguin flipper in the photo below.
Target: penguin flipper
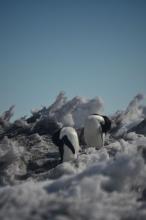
{"x": 67, "y": 142}
{"x": 100, "y": 137}
{"x": 61, "y": 151}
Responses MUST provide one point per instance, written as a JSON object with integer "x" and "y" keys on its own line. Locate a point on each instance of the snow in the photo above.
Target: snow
{"x": 105, "y": 184}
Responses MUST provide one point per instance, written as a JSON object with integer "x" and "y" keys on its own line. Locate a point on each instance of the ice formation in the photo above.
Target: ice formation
{"x": 108, "y": 184}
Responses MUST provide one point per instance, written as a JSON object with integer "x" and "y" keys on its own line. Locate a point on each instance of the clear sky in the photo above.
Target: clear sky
{"x": 85, "y": 47}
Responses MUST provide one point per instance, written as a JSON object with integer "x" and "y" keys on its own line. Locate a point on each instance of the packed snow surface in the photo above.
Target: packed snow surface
{"x": 105, "y": 184}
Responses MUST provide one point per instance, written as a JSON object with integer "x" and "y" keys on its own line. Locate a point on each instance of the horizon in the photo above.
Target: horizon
{"x": 85, "y": 48}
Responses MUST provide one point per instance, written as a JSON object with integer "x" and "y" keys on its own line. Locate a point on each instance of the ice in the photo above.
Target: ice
{"x": 105, "y": 184}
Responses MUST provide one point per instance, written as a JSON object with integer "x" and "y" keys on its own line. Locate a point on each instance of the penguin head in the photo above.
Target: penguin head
{"x": 104, "y": 121}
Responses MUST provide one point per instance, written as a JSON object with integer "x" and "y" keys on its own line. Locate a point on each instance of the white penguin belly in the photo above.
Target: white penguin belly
{"x": 93, "y": 133}
{"x": 73, "y": 138}
{"x": 68, "y": 155}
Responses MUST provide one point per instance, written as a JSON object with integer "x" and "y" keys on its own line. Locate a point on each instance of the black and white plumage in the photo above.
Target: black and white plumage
{"x": 66, "y": 139}
{"x": 95, "y": 129}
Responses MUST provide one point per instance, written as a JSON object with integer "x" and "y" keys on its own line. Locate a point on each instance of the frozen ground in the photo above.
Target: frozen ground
{"x": 106, "y": 184}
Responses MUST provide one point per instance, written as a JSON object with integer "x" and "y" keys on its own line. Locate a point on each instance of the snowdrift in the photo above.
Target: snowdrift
{"x": 108, "y": 184}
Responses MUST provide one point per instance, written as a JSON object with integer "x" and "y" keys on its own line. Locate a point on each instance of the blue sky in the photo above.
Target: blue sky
{"x": 85, "y": 47}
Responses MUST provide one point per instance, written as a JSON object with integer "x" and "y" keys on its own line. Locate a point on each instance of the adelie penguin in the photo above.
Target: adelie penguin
{"x": 95, "y": 128}
{"x": 66, "y": 139}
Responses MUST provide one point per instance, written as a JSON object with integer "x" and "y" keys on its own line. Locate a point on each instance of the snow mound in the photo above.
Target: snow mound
{"x": 100, "y": 184}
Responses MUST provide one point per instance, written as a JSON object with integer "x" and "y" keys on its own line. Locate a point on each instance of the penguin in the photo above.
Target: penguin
{"x": 95, "y": 128}
{"x": 66, "y": 139}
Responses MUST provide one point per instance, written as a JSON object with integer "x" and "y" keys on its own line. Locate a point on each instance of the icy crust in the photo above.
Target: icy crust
{"x": 105, "y": 184}
{"x": 96, "y": 186}
{"x": 71, "y": 112}
{"x": 128, "y": 119}
{"x": 104, "y": 189}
